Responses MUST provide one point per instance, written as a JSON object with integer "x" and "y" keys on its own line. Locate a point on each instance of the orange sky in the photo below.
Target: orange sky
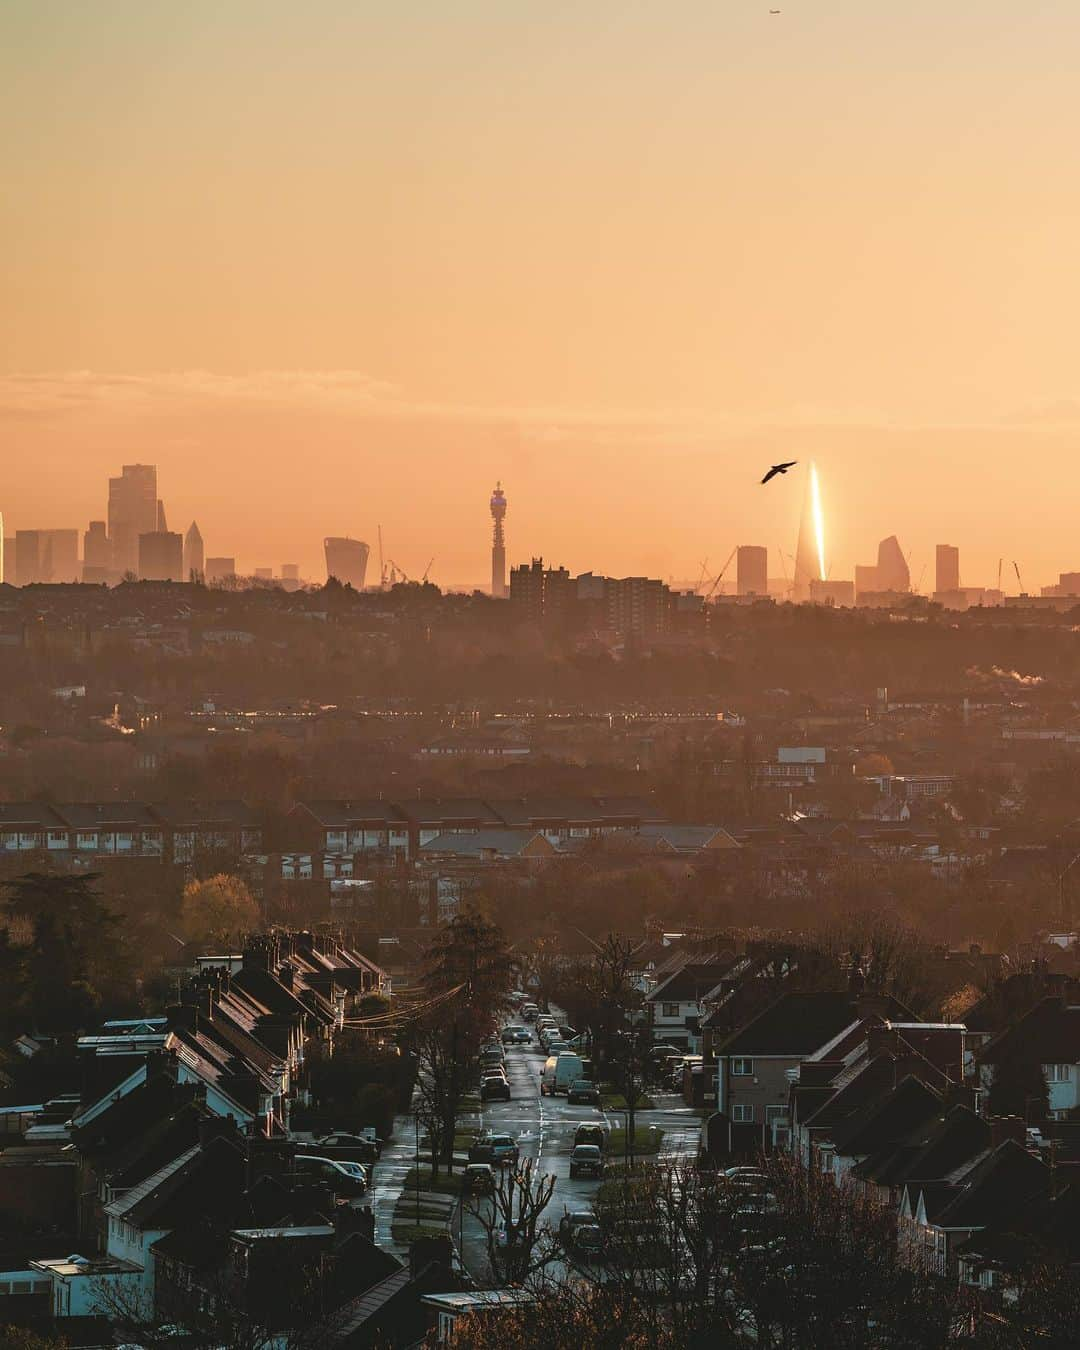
{"x": 342, "y": 263}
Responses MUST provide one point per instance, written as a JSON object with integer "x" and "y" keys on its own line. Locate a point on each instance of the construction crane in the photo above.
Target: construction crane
{"x": 382, "y": 565}
{"x": 1000, "y": 560}
{"x": 1019, "y": 579}
{"x": 396, "y": 573}
{"x": 701, "y": 578}
{"x": 427, "y": 569}
{"x": 720, "y": 575}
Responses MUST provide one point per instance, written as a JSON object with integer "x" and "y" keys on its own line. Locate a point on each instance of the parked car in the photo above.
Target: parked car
{"x": 509, "y": 1035}
{"x": 530, "y": 1012}
{"x": 478, "y": 1179}
{"x": 348, "y": 1179}
{"x": 494, "y": 1090}
{"x": 582, "y": 1092}
{"x": 586, "y": 1160}
{"x": 350, "y": 1147}
{"x": 498, "y": 1149}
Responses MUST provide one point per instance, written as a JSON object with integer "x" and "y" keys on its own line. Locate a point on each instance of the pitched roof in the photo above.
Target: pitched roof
{"x": 1049, "y": 1033}
{"x": 507, "y": 843}
{"x": 888, "y": 1120}
{"x": 1002, "y": 1184}
{"x": 795, "y": 1025}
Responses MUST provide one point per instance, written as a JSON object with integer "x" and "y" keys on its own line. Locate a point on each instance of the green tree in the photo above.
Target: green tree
{"x": 218, "y": 909}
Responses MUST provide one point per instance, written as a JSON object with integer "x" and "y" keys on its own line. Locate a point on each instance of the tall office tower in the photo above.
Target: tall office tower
{"x": 290, "y": 571}
{"x": 46, "y": 556}
{"x": 948, "y": 568}
{"x": 96, "y": 558}
{"x": 810, "y": 550}
{"x": 892, "y": 568}
{"x": 218, "y": 569}
{"x": 498, "y": 543}
{"x": 133, "y": 510}
{"x": 866, "y": 579}
{"x": 346, "y": 559}
{"x": 162, "y": 523}
{"x": 752, "y": 570}
{"x": 161, "y": 556}
{"x": 194, "y": 556}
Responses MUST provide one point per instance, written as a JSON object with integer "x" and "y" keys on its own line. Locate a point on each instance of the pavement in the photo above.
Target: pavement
{"x": 544, "y": 1128}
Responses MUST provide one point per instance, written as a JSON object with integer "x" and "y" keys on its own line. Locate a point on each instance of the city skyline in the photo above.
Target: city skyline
{"x": 648, "y": 276}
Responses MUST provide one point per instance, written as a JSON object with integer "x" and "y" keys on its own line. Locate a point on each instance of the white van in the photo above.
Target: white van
{"x": 568, "y": 1069}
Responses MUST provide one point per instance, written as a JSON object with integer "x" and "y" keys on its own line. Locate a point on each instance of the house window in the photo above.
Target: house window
{"x": 1057, "y": 1073}
{"x": 775, "y": 1113}
{"x": 742, "y": 1112}
{"x": 669, "y": 1010}
{"x": 742, "y": 1068}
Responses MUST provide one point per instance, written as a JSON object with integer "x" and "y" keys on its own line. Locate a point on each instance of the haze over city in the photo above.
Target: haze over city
{"x": 349, "y": 264}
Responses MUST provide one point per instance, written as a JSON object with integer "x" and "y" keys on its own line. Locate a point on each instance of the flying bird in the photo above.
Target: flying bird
{"x": 779, "y": 468}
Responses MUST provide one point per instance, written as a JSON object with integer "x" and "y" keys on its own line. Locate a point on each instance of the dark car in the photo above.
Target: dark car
{"x": 494, "y": 1148}
{"x": 586, "y": 1160}
{"x": 583, "y": 1093}
{"x": 349, "y": 1147}
{"x": 346, "y": 1179}
{"x": 478, "y": 1179}
{"x": 495, "y": 1090}
{"x": 592, "y": 1134}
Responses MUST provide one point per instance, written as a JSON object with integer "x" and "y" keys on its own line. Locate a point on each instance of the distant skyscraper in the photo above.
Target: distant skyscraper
{"x": 264, "y": 574}
{"x": 948, "y": 568}
{"x": 133, "y": 510}
{"x": 809, "y": 559}
{"x": 96, "y": 556}
{"x": 866, "y": 578}
{"x": 498, "y": 543}
{"x": 290, "y": 571}
{"x": 752, "y": 570}
{"x": 217, "y": 569}
{"x": 161, "y": 556}
{"x": 892, "y": 568}
{"x": 162, "y": 523}
{"x": 194, "y": 556}
{"x": 46, "y": 556}
{"x": 346, "y": 559}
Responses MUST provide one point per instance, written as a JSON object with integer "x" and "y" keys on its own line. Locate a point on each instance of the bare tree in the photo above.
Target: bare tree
{"x": 511, "y": 1219}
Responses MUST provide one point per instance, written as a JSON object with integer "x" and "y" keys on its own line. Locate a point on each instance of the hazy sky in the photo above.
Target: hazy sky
{"x": 336, "y": 263}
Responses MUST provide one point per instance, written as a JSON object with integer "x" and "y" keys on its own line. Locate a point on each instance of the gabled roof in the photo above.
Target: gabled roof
{"x": 506, "y": 843}
{"x": 689, "y": 983}
{"x": 229, "y": 814}
{"x": 1048, "y": 1034}
{"x": 933, "y": 1151}
{"x": 1002, "y": 1184}
{"x": 435, "y": 811}
{"x": 887, "y": 1121}
{"x": 29, "y": 816}
{"x": 797, "y": 1024}
{"x": 107, "y": 815}
{"x": 339, "y": 815}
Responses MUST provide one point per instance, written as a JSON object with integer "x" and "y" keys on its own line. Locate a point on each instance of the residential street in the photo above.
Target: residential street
{"x": 544, "y": 1128}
